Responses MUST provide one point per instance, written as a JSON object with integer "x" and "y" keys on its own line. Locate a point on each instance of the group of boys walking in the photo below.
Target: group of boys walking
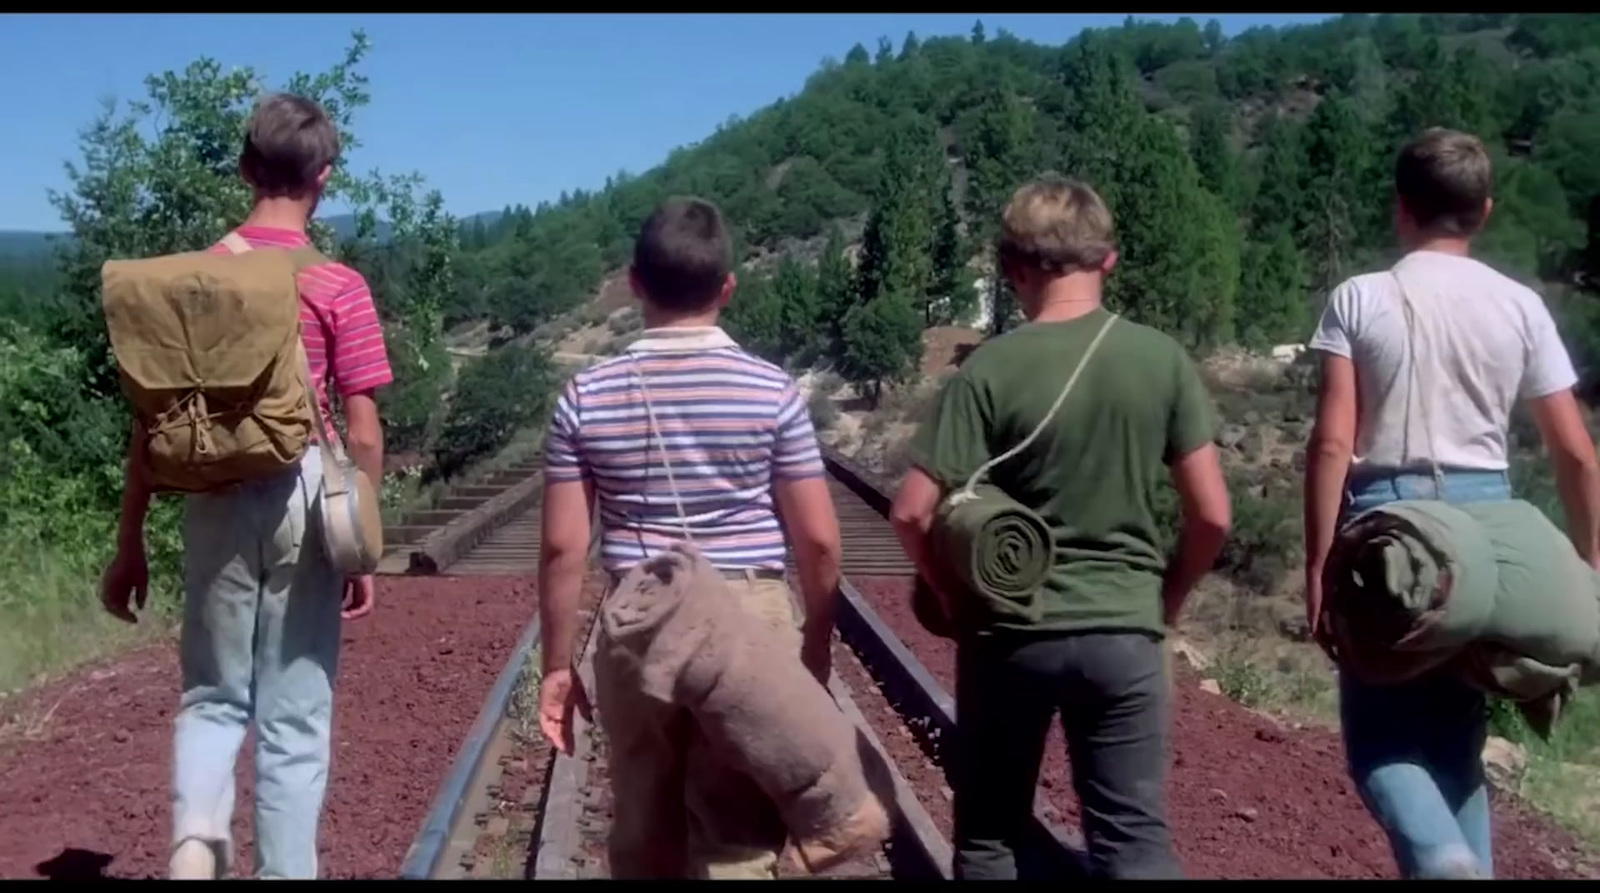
{"x": 263, "y": 602}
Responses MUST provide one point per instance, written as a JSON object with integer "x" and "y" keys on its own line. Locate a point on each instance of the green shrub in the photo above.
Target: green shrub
{"x": 496, "y": 396}
{"x": 61, "y": 450}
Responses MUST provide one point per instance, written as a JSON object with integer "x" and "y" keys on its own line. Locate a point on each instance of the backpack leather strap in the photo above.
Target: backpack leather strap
{"x": 235, "y": 243}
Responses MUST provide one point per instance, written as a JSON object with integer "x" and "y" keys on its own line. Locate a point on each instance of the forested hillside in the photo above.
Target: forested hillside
{"x": 1247, "y": 175}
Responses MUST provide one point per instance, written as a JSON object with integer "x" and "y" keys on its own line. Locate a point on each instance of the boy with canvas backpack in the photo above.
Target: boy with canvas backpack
{"x": 226, "y": 356}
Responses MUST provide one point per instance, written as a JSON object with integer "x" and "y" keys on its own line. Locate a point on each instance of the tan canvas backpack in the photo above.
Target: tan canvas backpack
{"x": 210, "y": 355}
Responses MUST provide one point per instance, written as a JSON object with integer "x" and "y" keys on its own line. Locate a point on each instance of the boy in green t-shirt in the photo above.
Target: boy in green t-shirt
{"x": 1137, "y": 410}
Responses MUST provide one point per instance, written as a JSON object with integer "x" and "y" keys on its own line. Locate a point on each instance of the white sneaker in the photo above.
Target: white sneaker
{"x": 195, "y": 859}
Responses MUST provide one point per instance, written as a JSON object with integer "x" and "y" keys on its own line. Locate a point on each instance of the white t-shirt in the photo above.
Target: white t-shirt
{"x": 1483, "y": 341}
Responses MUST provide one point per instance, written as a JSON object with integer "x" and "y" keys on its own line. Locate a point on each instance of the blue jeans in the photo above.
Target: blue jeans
{"x": 260, "y": 641}
{"x": 1415, "y": 749}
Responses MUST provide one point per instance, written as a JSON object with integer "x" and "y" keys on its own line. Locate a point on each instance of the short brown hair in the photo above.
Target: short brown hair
{"x": 683, "y": 254}
{"x": 287, "y": 143}
{"x": 1056, "y": 225}
{"x": 1443, "y": 178}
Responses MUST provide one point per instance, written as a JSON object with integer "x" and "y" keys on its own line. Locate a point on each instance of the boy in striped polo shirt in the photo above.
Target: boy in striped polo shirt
{"x": 742, "y": 451}
{"x": 262, "y": 599}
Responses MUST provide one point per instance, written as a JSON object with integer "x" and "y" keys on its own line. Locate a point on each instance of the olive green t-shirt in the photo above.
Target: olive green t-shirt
{"x": 1092, "y": 474}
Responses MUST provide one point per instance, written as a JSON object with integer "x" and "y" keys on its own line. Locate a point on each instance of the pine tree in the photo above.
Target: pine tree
{"x": 1454, "y": 90}
{"x": 1273, "y": 306}
{"x": 896, "y": 248}
{"x": 1104, "y": 114}
{"x": 1213, "y": 156}
{"x": 951, "y": 296}
{"x": 1279, "y": 195}
{"x": 755, "y": 319}
{"x": 836, "y": 293}
{"x": 909, "y": 47}
{"x": 1338, "y": 156}
{"x": 1178, "y": 242}
{"x": 882, "y": 342}
{"x": 885, "y": 53}
{"x": 1003, "y": 152}
{"x": 1171, "y": 232}
{"x": 795, "y": 291}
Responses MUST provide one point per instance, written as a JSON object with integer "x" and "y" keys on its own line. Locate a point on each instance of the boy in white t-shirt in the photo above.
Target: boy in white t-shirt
{"x": 1482, "y": 342}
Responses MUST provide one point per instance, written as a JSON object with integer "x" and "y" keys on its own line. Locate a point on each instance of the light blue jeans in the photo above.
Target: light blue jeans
{"x": 1415, "y": 750}
{"x": 260, "y": 641}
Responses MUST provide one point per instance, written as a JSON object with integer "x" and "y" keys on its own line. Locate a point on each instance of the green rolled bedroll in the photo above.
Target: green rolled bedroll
{"x": 1492, "y": 590}
{"x": 998, "y": 552}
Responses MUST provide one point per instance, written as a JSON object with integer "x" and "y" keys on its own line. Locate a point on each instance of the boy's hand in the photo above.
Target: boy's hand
{"x": 560, "y": 694}
{"x": 358, "y": 593}
{"x": 126, "y": 579}
{"x": 816, "y": 652}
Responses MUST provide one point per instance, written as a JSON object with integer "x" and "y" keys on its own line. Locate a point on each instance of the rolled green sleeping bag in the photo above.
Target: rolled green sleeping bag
{"x": 995, "y": 550}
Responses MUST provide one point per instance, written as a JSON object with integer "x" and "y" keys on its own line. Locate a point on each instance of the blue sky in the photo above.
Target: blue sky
{"x": 491, "y": 109}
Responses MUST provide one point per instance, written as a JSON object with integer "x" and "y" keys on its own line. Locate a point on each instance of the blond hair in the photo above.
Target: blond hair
{"x": 1056, "y": 225}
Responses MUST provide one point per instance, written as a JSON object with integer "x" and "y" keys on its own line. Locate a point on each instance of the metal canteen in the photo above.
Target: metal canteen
{"x": 352, "y": 526}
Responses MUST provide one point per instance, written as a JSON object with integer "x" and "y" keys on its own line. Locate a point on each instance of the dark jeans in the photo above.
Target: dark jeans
{"x": 1112, "y": 692}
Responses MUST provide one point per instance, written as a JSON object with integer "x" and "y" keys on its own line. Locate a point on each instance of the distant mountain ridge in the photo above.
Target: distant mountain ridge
{"x": 23, "y": 244}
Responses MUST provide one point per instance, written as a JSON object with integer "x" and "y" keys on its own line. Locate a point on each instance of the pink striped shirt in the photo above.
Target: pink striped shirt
{"x": 338, "y": 319}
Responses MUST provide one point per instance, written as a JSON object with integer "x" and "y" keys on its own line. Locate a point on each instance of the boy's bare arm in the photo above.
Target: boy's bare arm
{"x": 1566, "y": 438}
{"x": 135, "y": 496}
{"x": 1328, "y": 455}
{"x": 126, "y": 580}
{"x": 912, "y": 514}
{"x": 365, "y": 434}
{"x": 813, "y": 527}
{"x": 1328, "y": 458}
{"x": 563, "y": 556}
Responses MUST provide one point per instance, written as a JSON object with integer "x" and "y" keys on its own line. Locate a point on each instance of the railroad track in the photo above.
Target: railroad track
{"x": 511, "y": 807}
{"x": 508, "y": 549}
